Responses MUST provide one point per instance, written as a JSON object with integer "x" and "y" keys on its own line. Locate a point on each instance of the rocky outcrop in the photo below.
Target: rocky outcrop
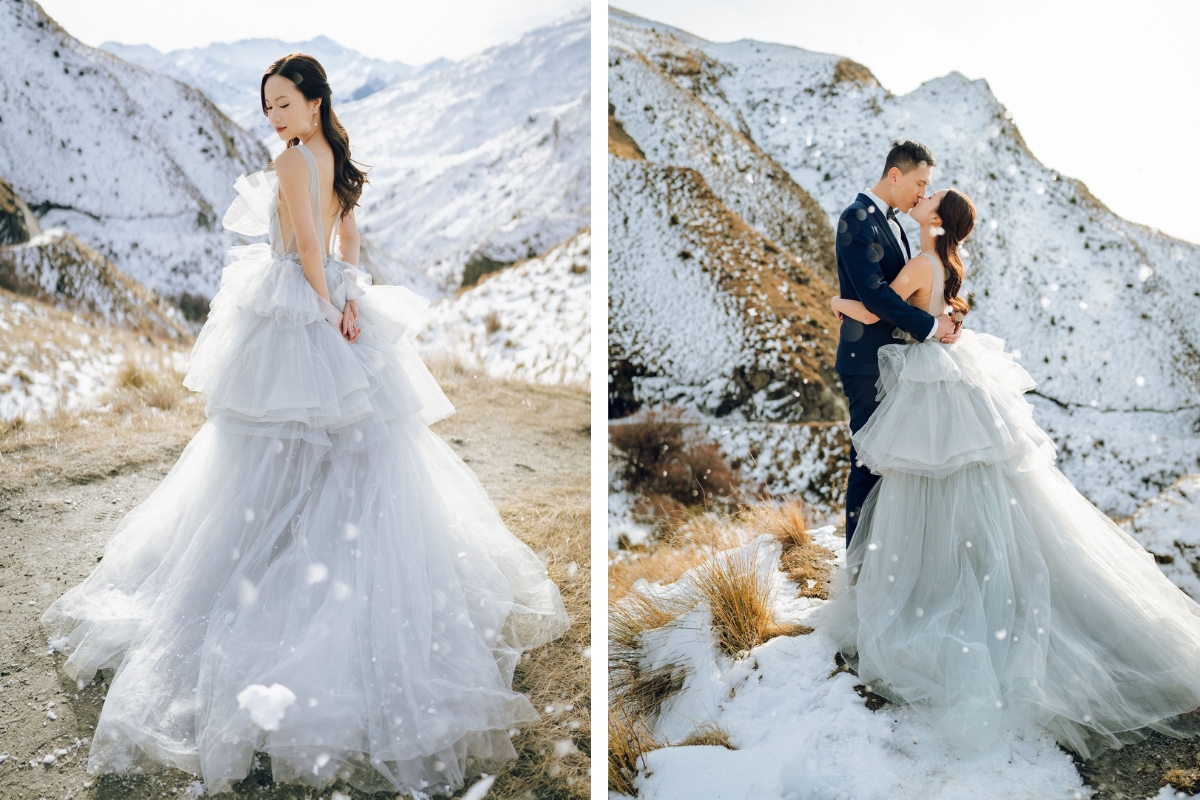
{"x": 56, "y": 267}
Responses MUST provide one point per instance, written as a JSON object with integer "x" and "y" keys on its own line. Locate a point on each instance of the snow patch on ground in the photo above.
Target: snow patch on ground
{"x": 52, "y": 359}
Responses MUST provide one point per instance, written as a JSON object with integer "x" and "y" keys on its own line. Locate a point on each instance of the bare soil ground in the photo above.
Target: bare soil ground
{"x": 66, "y": 482}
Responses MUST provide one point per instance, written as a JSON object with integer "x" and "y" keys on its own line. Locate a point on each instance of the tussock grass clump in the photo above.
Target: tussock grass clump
{"x": 629, "y": 739}
{"x": 650, "y": 689}
{"x": 659, "y": 452}
{"x": 708, "y": 734}
{"x": 807, "y": 564}
{"x": 136, "y": 388}
{"x": 132, "y": 377}
{"x": 636, "y": 614}
{"x": 739, "y": 598}
{"x": 491, "y": 322}
{"x": 11, "y": 425}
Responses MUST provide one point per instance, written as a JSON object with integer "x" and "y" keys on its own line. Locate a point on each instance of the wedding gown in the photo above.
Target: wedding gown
{"x": 314, "y": 534}
{"x": 982, "y": 588}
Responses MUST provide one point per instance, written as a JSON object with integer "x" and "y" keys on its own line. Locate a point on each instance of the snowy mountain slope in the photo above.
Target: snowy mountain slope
{"x": 1105, "y": 314}
{"x": 137, "y": 165}
{"x": 486, "y": 157}
{"x": 671, "y": 126}
{"x": 704, "y": 311}
{"x": 229, "y": 72}
{"x": 55, "y": 267}
{"x": 530, "y": 322}
{"x": 1169, "y": 526}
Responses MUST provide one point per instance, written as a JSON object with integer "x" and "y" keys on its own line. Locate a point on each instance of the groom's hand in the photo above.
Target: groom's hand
{"x": 947, "y": 331}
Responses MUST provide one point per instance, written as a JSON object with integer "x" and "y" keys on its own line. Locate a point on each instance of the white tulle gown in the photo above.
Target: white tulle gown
{"x": 982, "y": 589}
{"x": 317, "y": 541}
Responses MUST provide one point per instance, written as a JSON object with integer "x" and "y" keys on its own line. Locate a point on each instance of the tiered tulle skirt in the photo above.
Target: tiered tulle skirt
{"x": 315, "y": 534}
{"x": 982, "y": 589}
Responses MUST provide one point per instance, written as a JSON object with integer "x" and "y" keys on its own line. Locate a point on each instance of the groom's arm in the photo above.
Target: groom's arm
{"x": 873, "y": 291}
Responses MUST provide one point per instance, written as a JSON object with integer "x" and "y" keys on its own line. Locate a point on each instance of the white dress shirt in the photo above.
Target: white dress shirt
{"x": 895, "y": 226}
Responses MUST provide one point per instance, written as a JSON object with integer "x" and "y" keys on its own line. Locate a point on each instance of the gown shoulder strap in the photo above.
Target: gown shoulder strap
{"x": 937, "y": 299}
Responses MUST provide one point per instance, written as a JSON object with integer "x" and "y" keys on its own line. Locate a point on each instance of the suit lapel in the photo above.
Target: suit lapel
{"x": 881, "y": 218}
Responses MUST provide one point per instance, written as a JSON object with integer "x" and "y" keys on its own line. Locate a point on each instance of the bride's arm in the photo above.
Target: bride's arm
{"x": 348, "y": 238}
{"x": 854, "y": 310}
{"x": 293, "y": 183}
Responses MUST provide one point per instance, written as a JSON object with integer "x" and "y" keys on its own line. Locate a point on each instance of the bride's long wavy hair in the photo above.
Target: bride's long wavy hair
{"x": 958, "y": 220}
{"x": 309, "y": 76}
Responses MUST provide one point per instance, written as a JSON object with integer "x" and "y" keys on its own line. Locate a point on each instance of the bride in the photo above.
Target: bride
{"x": 319, "y": 578}
{"x": 980, "y": 587}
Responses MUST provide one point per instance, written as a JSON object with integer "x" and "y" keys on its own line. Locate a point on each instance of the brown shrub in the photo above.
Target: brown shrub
{"x": 1183, "y": 780}
{"x": 659, "y": 508}
{"x": 656, "y": 454}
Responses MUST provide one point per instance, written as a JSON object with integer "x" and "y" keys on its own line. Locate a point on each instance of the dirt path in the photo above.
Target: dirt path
{"x": 65, "y": 485}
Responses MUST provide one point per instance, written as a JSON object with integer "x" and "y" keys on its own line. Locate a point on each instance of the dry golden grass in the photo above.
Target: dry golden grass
{"x": 491, "y": 322}
{"x": 677, "y": 549}
{"x": 554, "y": 754}
{"x": 708, "y": 734}
{"x": 136, "y": 388}
{"x": 803, "y": 561}
{"x": 732, "y": 585}
{"x": 131, "y": 377}
{"x": 629, "y": 739}
{"x": 11, "y": 426}
{"x": 785, "y": 521}
{"x": 1183, "y": 780}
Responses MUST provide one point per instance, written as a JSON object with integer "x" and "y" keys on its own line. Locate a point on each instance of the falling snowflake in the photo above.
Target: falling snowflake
{"x": 266, "y": 704}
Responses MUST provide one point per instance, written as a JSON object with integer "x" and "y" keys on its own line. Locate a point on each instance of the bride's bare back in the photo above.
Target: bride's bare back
{"x": 330, "y": 204}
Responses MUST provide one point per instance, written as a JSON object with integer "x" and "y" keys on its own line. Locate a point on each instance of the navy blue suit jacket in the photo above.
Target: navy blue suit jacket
{"x": 868, "y": 260}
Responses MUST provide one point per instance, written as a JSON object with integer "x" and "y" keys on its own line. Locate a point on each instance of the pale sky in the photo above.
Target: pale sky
{"x": 412, "y": 32}
{"x": 1102, "y": 91}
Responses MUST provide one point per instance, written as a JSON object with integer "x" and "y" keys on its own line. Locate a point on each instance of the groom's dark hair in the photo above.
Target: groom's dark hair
{"x": 907, "y": 155}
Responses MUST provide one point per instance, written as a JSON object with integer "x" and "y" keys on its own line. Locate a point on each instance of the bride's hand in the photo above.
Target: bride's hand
{"x": 349, "y": 327}
{"x": 840, "y": 316}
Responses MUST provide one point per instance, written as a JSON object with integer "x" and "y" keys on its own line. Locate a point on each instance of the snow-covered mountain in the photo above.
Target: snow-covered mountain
{"x": 137, "y": 165}
{"x": 705, "y": 311}
{"x": 485, "y": 158}
{"x": 229, "y": 72}
{"x": 1104, "y": 313}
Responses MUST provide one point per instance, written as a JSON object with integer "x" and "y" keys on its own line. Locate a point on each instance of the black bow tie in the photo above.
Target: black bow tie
{"x": 891, "y": 214}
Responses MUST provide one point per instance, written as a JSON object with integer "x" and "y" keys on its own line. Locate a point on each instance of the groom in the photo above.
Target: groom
{"x": 871, "y": 250}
